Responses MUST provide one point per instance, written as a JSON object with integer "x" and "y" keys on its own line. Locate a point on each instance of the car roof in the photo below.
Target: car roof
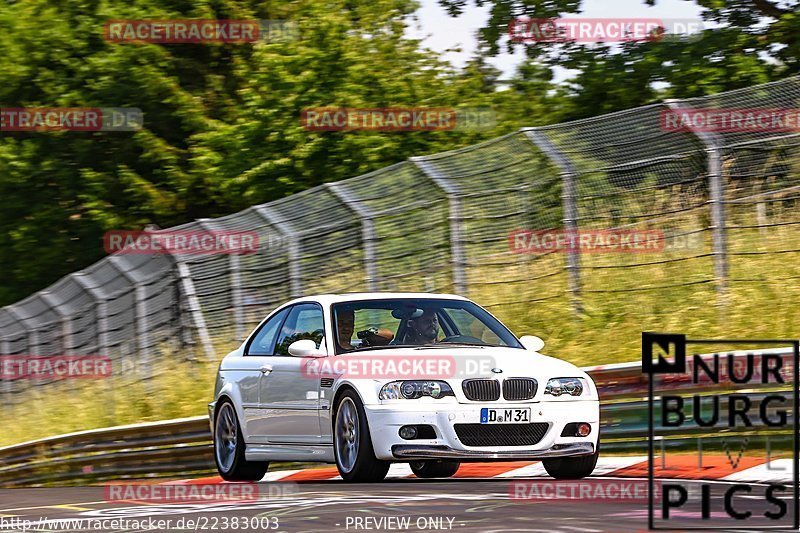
{"x": 329, "y": 299}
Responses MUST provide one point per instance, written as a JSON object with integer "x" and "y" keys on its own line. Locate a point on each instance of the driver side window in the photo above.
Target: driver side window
{"x": 303, "y": 322}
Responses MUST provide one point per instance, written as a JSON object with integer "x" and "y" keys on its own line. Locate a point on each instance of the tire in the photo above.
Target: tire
{"x": 352, "y": 444}
{"x": 571, "y": 467}
{"x": 430, "y": 469}
{"x": 229, "y": 448}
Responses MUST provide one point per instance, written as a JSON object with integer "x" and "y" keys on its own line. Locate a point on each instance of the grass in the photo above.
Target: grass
{"x": 179, "y": 388}
{"x": 608, "y": 330}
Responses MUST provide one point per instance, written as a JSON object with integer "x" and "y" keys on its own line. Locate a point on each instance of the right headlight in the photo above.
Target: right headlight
{"x": 413, "y": 389}
{"x": 569, "y": 386}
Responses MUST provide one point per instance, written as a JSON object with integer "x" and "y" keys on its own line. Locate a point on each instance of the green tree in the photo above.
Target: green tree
{"x": 221, "y": 122}
{"x": 752, "y": 42}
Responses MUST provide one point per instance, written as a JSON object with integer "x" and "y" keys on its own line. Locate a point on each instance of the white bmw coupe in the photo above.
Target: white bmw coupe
{"x": 365, "y": 380}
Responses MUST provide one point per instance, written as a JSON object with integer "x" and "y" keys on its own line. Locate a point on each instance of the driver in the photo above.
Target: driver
{"x": 424, "y": 329}
{"x": 345, "y": 324}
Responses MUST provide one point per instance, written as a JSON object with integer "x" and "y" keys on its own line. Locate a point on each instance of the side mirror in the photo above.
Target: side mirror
{"x": 305, "y": 348}
{"x": 531, "y": 343}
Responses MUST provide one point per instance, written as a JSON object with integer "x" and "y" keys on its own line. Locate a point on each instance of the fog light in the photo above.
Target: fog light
{"x": 408, "y": 432}
{"x": 583, "y": 430}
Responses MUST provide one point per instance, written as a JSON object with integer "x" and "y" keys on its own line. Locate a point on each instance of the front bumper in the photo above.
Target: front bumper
{"x": 416, "y": 452}
{"x": 386, "y": 419}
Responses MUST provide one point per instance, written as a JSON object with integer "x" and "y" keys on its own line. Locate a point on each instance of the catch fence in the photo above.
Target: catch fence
{"x": 461, "y": 221}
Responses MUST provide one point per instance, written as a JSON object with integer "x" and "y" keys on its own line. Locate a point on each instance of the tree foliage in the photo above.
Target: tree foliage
{"x": 744, "y": 42}
{"x": 222, "y": 123}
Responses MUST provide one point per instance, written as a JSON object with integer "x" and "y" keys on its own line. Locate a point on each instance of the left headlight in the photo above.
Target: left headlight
{"x": 569, "y": 386}
{"x": 411, "y": 390}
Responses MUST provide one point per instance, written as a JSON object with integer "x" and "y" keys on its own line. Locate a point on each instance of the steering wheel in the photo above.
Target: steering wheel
{"x": 462, "y": 338}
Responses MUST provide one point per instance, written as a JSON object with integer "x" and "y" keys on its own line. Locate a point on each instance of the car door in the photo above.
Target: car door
{"x": 258, "y": 353}
{"x": 288, "y": 395}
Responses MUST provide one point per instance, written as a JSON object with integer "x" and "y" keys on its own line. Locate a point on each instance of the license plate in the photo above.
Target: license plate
{"x": 505, "y": 416}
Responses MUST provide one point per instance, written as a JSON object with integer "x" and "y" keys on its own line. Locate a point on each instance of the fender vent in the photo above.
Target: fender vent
{"x": 326, "y": 383}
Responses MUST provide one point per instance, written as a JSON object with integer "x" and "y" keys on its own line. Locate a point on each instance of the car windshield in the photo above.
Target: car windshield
{"x": 416, "y": 322}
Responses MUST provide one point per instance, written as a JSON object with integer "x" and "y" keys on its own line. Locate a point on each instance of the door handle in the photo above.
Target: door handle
{"x": 266, "y": 369}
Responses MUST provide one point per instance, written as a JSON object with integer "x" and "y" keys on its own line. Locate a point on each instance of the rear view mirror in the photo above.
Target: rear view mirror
{"x": 531, "y": 343}
{"x": 407, "y": 313}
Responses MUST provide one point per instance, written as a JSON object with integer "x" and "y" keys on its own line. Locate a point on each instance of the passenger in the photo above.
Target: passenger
{"x": 345, "y": 324}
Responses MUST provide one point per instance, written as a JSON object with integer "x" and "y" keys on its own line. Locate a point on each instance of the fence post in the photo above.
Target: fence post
{"x": 283, "y": 227}
{"x": 140, "y": 328}
{"x": 236, "y": 296}
{"x": 234, "y": 281}
{"x": 195, "y": 311}
{"x": 570, "y": 207}
{"x": 31, "y": 335}
{"x": 64, "y": 320}
{"x": 367, "y": 232}
{"x": 5, "y": 350}
{"x": 453, "y": 194}
{"x": 716, "y": 200}
{"x": 142, "y": 331}
{"x": 101, "y": 310}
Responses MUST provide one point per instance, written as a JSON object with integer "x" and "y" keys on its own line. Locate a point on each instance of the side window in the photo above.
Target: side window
{"x": 303, "y": 322}
{"x": 264, "y": 340}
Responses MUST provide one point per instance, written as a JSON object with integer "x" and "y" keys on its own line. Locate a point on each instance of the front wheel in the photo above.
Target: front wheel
{"x": 571, "y": 467}
{"x": 431, "y": 469}
{"x": 229, "y": 448}
{"x": 352, "y": 444}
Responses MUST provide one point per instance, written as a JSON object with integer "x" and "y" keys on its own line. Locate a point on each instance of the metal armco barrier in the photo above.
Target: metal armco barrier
{"x": 170, "y": 448}
{"x": 182, "y": 447}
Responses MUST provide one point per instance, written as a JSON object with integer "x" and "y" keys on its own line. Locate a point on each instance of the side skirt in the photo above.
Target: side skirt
{"x": 322, "y": 453}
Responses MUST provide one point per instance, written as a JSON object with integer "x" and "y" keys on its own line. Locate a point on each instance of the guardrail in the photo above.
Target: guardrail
{"x": 183, "y": 447}
{"x": 169, "y": 448}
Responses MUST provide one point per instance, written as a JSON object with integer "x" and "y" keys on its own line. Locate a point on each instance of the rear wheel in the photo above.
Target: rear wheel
{"x": 430, "y": 469}
{"x": 352, "y": 444}
{"x": 229, "y": 448}
{"x": 571, "y": 467}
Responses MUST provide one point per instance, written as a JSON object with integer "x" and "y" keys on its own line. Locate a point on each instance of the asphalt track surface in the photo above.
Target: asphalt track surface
{"x": 428, "y": 505}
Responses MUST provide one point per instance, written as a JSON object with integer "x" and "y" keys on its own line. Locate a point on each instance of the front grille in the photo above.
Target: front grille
{"x": 501, "y": 434}
{"x": 481, "y": 390}
{"x": 515, "y": 389}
